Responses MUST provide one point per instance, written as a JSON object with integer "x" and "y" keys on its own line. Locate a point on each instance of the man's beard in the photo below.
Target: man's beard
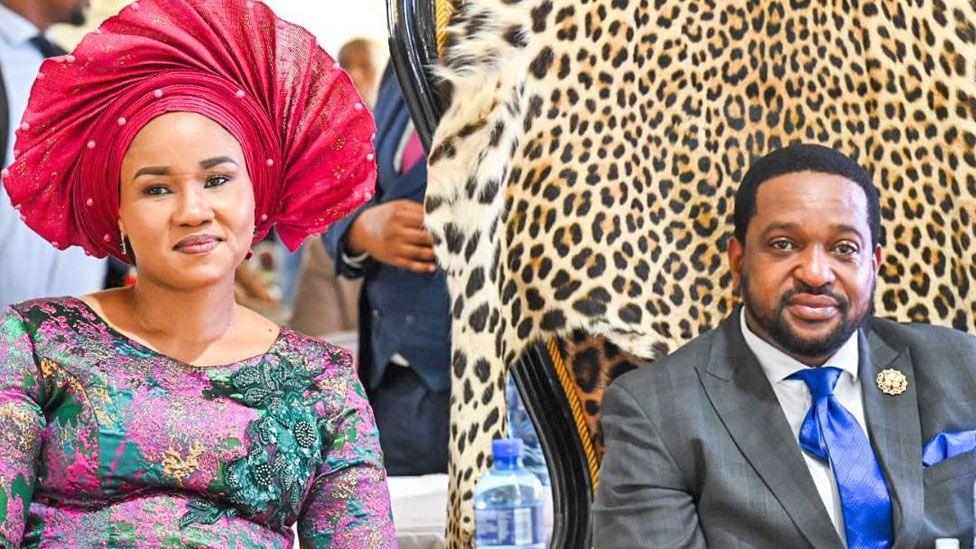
{"x": 788, "y": 340}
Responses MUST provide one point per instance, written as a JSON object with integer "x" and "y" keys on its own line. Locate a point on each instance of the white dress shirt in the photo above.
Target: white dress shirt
{"x": 794, "y": 398}
{"x": 30, "y": 267}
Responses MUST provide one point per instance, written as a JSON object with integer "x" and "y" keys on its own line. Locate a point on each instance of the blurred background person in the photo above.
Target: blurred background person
{"x": 29, "y": 266}
{"x": 324, "y": 304}
{"x": 357, "y": 57}
{"x": 404, "y": 322}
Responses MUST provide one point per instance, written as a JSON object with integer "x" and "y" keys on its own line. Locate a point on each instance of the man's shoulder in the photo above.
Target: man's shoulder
{"x": 939, "y": 354}
{"x": 675, "y": 372}
{"x": 920, "y": 337}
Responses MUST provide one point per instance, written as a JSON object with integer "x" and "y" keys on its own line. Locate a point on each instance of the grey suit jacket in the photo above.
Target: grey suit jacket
{"x": 699, "y": 452}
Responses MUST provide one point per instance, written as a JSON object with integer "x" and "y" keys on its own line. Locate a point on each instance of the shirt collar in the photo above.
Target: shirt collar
{"x": 14, "y": 28}
{"x": 778, "y": 365}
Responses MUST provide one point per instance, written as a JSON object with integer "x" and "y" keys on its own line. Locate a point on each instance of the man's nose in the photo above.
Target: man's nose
{"x": 815, "y": 269}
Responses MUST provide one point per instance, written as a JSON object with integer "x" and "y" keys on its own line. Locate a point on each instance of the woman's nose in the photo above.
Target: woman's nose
{"x": 193, "y": 208}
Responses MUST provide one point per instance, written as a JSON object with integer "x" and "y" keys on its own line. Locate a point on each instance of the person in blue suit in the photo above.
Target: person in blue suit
{"x": 404, "y": 320}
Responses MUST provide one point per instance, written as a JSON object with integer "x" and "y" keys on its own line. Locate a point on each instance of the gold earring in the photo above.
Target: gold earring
{"x": 125, "y": 251}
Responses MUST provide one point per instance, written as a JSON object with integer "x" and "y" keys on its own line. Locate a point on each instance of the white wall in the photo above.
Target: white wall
{"x": 333, "y": 22}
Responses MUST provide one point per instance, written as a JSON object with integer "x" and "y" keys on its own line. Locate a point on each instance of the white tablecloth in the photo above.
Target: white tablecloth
{"x": 419, "y": 510}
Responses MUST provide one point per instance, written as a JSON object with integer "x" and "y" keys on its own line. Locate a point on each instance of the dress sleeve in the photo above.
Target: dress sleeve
{"x": 21, "y": 423}
{"x": 349, "y": 504}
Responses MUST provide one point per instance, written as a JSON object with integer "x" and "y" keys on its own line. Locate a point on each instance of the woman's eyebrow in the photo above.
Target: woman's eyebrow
{"x": 216, "y": 161}
{"x": 151, "y": 170}
{"x": 204, "y": 164}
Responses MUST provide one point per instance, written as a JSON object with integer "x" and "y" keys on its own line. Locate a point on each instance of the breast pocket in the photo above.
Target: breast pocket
{"x": 949, "y": 496}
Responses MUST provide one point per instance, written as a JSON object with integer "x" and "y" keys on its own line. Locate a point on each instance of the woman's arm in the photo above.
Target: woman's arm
{"x": 349, "y": 505}
{"x": 21, "y": 423}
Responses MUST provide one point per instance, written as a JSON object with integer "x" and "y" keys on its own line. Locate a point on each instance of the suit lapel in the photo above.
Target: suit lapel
{"x": 745, "y": 402}
{"x": 895, "y": 433}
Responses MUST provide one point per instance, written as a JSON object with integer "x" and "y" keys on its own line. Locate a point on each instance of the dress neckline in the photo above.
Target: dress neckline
{"x": 145, "y": 348}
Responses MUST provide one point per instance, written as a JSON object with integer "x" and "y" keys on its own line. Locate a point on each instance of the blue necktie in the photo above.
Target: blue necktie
{"x": 831, "y": 434}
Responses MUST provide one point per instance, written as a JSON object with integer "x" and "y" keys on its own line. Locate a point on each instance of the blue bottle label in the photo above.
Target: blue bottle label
{"x": 509, "y": 526}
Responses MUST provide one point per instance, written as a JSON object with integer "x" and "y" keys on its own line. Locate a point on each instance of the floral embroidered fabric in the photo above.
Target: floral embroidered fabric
{"x": 104, "y": 442}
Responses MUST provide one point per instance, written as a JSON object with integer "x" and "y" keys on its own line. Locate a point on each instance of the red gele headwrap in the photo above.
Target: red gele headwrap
{"x": 304, "y": 130}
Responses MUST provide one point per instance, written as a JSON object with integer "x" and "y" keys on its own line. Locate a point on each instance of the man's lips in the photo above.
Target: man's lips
{"x": 197, "y": 244}
{"x": 813, "y": 308}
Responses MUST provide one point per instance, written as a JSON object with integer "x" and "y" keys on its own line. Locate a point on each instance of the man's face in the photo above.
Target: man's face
{"x": 71, "y": 12}
{"x": 807, "y": 270}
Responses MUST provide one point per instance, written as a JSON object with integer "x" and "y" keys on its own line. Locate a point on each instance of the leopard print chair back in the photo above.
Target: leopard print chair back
{"x": 581, "y": 177}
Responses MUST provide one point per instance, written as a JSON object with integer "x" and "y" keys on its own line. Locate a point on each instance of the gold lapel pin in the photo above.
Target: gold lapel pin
{"x": 892, "y": 382}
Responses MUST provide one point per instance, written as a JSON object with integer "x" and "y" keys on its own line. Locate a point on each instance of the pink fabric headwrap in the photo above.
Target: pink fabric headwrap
{"x": 304, "y": 130}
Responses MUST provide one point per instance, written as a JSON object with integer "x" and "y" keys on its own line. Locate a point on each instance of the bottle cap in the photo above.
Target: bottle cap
{"x": 947, "y": 543}
{"x": 506, "y": 448}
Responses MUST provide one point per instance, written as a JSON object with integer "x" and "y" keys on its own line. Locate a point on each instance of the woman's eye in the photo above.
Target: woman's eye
{"x": 216, "y": 181}
{"x": 156, "y": 190}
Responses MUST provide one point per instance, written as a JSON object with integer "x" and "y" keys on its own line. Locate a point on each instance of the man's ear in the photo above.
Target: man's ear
{"x": 878, "y": 256}
{"x": 735, "y": 253}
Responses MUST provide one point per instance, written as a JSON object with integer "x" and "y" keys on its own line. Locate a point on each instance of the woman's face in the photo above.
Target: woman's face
{"x": 186, "y": 201}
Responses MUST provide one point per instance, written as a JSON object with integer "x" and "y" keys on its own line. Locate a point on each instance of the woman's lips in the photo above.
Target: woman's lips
{"x": 197, "y": 244}
{"x": 813, "y": 308}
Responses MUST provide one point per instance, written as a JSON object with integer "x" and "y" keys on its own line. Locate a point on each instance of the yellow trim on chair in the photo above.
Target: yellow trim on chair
{"x": 444, "y": 10}
{"x": 569, "y": 389}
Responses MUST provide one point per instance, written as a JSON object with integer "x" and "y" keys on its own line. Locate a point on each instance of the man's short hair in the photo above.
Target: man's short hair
{"x": 801, "y": 158}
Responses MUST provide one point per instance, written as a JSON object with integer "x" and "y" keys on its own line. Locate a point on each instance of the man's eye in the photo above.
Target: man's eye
{"x": 846, "y": 249}
{"x": 216, "y": 181}
{"x": 782, "y": 245}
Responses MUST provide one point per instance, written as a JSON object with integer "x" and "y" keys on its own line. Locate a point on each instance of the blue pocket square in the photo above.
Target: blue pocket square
{"x": 948, "y": 445}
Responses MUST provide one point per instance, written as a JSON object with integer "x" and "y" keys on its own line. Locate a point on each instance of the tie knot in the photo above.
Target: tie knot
{"x": 820, "y": 381}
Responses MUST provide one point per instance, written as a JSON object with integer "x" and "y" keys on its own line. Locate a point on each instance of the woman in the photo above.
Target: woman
{"x": 165, "y": 414}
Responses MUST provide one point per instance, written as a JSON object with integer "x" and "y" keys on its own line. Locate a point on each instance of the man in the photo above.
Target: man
{"x": 801, "y": 420}
{"x": 29, "y": 266}
{"x": 403, "y": 317}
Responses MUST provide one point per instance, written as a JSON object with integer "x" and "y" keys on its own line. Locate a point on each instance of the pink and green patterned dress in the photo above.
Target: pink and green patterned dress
{"x": 106, "y": 443}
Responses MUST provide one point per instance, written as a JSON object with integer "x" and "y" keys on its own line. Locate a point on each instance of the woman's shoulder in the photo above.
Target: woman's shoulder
{"x": 44, "y": 320}
{"x": 318, "y": 354}
{"x": 312, "y": 361}
{"x": 37, "y": 311}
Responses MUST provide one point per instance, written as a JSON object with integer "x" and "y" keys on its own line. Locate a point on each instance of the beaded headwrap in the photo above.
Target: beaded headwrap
{"x": 304, "y": 129}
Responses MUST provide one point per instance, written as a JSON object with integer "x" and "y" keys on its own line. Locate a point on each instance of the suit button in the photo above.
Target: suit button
{"x": 376, "y": 312}
{"x": 410, "y": 319}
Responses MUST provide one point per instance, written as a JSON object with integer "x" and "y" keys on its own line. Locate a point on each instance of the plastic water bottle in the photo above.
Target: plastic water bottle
{"x": 508, "y": 508}
{"x": 520, "y": 426}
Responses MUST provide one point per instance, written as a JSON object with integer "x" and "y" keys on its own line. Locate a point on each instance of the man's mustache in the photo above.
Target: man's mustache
{"x": 842, "y": 303}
